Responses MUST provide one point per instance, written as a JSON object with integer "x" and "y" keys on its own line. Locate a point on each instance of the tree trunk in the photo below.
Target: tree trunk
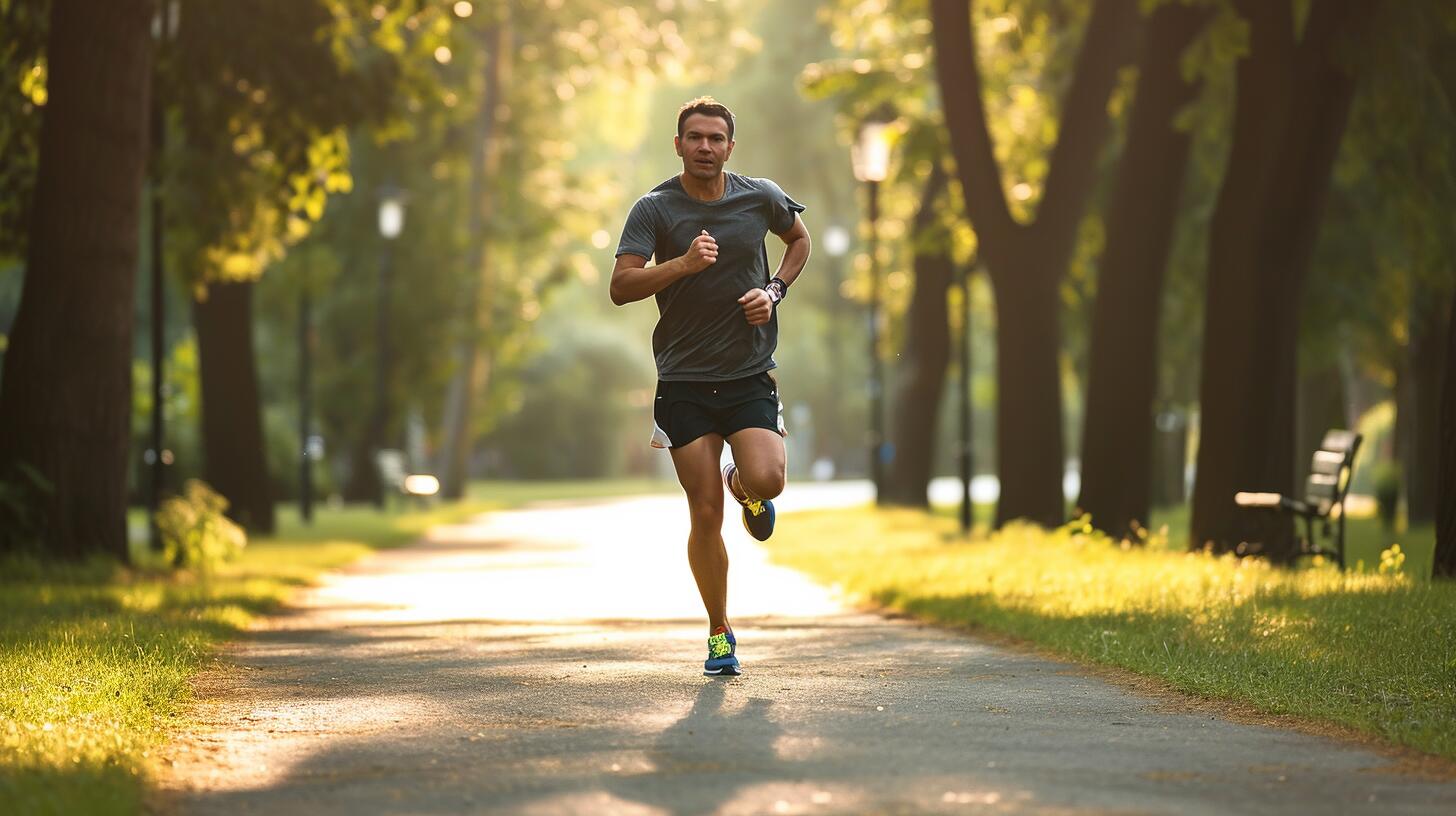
{"x": 1321, "y": 407}
{"x": 1026, "y": 262}
{"x": 1293, "y": 101}
{"x": 1122, "y": 378}
{"x": 234, "y": 456}
{"x": 923, "y": 362}
{"x": 1445, "y": 566}
{"x": 65, "y": 403}
{"x": 473, "y": 361}
{"x": 1424, "y": 364}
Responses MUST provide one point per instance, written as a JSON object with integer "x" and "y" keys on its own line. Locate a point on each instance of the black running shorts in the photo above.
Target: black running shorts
{"x": 684, "y": 411}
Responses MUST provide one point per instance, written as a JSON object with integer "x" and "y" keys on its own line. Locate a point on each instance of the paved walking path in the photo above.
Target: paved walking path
{"x": 547, "y": 662}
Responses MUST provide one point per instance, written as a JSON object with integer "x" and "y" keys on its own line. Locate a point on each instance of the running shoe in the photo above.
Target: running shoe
{"x": 721, "y": 660}
{"x": 758, "y": 514}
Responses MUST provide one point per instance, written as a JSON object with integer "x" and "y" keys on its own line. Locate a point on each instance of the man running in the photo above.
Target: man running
{"x": 716, "y": 332}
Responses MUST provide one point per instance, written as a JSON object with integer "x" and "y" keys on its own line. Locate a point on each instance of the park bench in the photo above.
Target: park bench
{"x": 1324, "y": 494}
{"x": 395, "y": 476}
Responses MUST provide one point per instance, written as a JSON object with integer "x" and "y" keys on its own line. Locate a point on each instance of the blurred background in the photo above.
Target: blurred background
{"x": 1083, "y": 249}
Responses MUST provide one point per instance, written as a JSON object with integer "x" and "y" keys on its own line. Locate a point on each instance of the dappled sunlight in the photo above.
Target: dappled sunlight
{"x": 628, "y": 560}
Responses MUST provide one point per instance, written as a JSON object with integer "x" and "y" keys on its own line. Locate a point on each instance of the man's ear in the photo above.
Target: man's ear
{"x": 677, "y": 144}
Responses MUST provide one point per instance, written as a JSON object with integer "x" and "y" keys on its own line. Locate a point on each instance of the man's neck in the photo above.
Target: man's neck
{"x": 704, "y": 189}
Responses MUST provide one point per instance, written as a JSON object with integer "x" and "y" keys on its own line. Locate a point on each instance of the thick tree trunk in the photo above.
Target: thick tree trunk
{"x": 1029, "y": 446}
{"x": 1290, "y": 115}
{"x": 1117, "y": 431}
{"x": 1425, "y": 362}
{"x": 922, "y": 364}
{"x": 234, "y": 456}
{"x": 473, "y": 361}
{"x": 1446, "y": 471}
{"x": 1026, "y": 262}
{"x": 65, "y": 404}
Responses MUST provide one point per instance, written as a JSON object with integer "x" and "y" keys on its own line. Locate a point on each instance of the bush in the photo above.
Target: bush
{"x": 194, "y": 531}
{"x": 23, "y": 492}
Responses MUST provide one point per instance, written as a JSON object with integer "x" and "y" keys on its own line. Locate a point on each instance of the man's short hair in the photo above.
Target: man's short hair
{"x": 708, "y": 106}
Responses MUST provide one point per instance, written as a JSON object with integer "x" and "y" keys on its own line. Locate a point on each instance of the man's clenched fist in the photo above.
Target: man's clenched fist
{"x": 702, "y": 254}
{"x": 757, "y": 306}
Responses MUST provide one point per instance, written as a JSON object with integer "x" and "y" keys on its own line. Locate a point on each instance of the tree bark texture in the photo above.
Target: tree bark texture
{"x": 1420, "y": 405}
{"x": 65, "y": 404}
{"x": 1293, "y": 101}
{"x": 473, "y": 361}
{"x": 234, "y": 455}
{"x": 1122, "y": 380}
{"x": 922, "y": 364}
{"x": 1026, "y": 262}
{"x": 1445, "y": 566}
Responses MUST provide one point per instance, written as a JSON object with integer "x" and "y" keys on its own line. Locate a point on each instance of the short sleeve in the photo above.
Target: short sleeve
{"x": 781, "y": 208}
{"x": 639, "y": 235}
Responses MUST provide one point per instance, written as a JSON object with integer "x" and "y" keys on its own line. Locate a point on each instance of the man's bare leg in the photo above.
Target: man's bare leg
{"x": 760, "y": 463}
{"x": 697, "y": 472}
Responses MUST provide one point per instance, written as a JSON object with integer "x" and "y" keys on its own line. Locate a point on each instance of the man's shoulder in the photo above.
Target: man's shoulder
{"x": 756, "y": 183}
{"x": 671, "y": 185}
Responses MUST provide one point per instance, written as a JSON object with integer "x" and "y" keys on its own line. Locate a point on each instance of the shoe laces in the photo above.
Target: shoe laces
{"x": 755, "y": 507}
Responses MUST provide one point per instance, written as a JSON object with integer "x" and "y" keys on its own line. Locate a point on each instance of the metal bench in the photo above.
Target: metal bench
{"x": 1324, "y": 492}
{"x": 396, "y": 478}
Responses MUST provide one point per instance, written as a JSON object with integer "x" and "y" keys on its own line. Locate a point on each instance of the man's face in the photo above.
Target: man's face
{"x": 704, "y": 145}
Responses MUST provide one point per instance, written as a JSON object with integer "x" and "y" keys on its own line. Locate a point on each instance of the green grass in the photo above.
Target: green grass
{"x": 1370, "y": 651}
{"x": 95, "y": 659}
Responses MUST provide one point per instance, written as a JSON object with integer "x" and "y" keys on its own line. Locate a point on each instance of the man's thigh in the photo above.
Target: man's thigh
{"x": 697, "y": 467}
{"x": 758, "y": 451}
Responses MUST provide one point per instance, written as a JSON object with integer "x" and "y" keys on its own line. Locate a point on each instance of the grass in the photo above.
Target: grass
{"x": 95, "y": 659}
{"x": 1374, "y": 652}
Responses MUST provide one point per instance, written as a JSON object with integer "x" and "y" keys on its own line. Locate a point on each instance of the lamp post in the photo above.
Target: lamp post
{"x": 967, "y": 461}
{"x": 164, "y": 30}
{"x": 836, "y": 241}
{"x": 391, "y": 223}
{"x": 871, "y": 159}
{"x": 305, "y": 408}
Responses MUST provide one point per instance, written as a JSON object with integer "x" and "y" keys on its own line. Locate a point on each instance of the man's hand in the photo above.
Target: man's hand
{"x": 757, "y": 306}
{"x": 702, "y": 254}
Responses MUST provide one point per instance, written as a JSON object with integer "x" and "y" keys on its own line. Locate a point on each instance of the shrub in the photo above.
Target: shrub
{"x": 194, "y": 531}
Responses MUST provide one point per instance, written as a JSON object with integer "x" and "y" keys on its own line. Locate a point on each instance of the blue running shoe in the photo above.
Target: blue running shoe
{"x": 721, "y": 661}
{"x": 758, "y": 514}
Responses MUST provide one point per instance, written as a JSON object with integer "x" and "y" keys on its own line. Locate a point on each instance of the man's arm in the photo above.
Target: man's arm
{"x": 796, "y": 253}
{"x": 633, "y": 279}
{"x": 758, "y": 305}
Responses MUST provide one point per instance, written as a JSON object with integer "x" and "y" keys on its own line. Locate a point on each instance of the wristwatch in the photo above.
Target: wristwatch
{"x": 777, "y": 290}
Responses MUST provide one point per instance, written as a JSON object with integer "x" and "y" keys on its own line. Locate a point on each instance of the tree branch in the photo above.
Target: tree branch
{"x": 1106, "y": 47}
{"x": 965, "y": 117}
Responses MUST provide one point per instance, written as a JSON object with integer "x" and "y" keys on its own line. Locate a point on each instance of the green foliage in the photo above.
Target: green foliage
{"x": 23, "y": 493}
{"x": 194, "y": 531}
{"x": 25, "y": 24}
{"x": 572, "y": 397}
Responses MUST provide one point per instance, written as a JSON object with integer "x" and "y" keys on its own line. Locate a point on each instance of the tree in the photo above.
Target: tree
{"x": 1117, "y": 440}
{"x": 922, "y": 363}
{"x": 1445, "y": 565}
{"x": 1026, "y": 261}
{"x": 65, "y": 399}
{"x": 1292, "y": 103}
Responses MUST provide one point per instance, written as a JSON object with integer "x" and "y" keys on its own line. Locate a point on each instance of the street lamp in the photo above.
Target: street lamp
{"x": 391, "y": 223}
{"x": 836, "y": 241}
{"x": 164, "y": 30}
{"x": 967, "y": 460}
{"x": 870, "y": 156}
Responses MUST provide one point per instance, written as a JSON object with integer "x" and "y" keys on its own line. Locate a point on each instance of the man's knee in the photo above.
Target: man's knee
{"x": 706, "y": 512}
{"x": 763, "y": 482}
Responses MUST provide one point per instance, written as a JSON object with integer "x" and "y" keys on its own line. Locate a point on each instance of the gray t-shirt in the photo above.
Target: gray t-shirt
{"x": 701, "y": 332}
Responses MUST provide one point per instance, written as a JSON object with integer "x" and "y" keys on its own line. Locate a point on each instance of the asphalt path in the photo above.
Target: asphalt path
{"x": 547, "y": 661}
